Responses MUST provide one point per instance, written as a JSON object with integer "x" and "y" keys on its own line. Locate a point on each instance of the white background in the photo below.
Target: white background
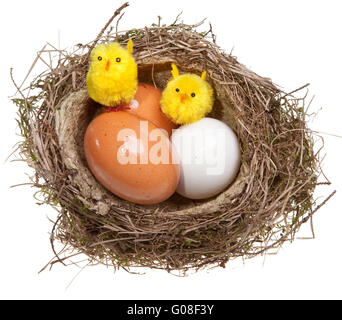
{"x": 292, "y": 42}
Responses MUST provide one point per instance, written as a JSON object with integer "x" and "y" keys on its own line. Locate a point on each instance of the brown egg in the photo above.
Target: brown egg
{"x": 146, "y": 104}
{"x": 131, "y": 157}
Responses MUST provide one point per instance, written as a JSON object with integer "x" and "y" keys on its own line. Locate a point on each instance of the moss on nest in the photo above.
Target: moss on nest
{"x": 271, "y": 198}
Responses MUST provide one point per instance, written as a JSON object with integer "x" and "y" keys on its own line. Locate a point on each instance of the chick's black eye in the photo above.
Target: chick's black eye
{"x": 99, "y": 58}
{"x": 193, "y": 95}
{"x": 177, "y": 90}
{"x": 118, "y": 59}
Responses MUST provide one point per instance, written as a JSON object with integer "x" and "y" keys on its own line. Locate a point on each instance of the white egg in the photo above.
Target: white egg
{"x": 209, "y": 156}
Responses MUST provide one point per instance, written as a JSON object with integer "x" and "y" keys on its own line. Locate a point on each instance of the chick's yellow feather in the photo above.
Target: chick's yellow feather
{"x": 112, "y": 74}
{"x": 187, "y": 98}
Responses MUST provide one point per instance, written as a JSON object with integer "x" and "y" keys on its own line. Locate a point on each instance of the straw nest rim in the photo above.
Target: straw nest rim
{"x": 266, "y": 205}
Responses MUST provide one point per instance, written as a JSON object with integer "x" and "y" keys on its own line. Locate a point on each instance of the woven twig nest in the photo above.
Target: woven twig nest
{"x": 270, "y": 199}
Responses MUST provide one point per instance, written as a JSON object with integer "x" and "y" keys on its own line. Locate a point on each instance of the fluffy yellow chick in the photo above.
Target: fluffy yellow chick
{"x": 187, "y": 98}
{"x": 112, "y": 75}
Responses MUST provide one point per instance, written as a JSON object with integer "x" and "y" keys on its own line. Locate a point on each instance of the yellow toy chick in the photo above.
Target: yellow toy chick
{"x": 187, "y": 98}
{"x": 112, "y": 75}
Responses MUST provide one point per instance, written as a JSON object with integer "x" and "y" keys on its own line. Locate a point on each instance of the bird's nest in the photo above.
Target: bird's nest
{"x": 266, "y": 205}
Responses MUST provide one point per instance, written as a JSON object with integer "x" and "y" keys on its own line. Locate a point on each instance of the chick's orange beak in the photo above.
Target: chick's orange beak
{"x": 182, "y": 97}
{"x": 107, "y": 65}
